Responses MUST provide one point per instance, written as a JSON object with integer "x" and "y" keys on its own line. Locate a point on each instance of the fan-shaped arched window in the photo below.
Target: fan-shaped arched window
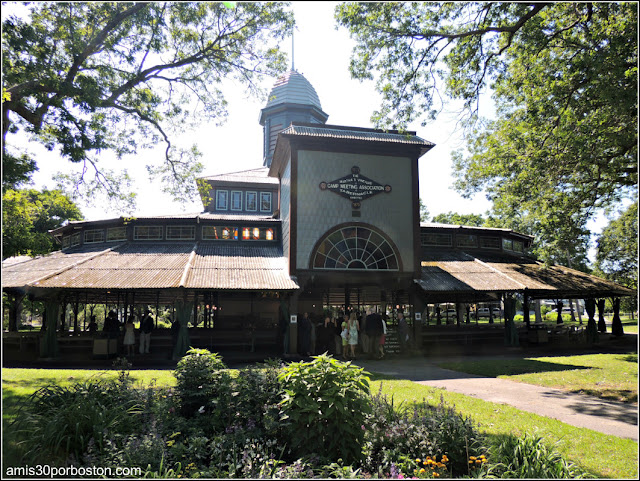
{"x": 355, "y": 247}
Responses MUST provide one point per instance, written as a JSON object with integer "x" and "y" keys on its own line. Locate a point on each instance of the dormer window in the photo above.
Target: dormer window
{"x": 466, "y": 240}
{"x": 222, "y": 199}
{"x": 265, "y": 201}
{"x": 147, "y": 232}
{"x": 251, "y": 204}
{"x": 94, "y": 235}
{"x": 236, "y": 200}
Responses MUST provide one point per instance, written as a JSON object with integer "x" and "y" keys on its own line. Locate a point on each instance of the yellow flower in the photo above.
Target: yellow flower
{"x": 436, "y": 475}
{"x": 472, "y": 458}
{"x": 422, "y": 471}
{"x": 444, "y": 458}
{"x": 417, "y": 460}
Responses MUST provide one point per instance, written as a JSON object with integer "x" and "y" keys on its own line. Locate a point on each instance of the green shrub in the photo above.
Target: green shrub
{"x": 61, "y": 422}
{"x": 399, "y": 435}
{"x": 529, "y": 457}
{"x": 201, "y": 378}
{"x": 325, "y": 408}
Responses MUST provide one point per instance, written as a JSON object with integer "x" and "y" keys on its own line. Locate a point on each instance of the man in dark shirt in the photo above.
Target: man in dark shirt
{"x": 374, "y": 331}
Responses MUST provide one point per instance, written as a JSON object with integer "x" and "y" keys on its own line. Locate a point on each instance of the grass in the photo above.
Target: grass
{"x": 604, "y": 456}
{"x": 607, "y": 376}
{"x": 600, "y": 454}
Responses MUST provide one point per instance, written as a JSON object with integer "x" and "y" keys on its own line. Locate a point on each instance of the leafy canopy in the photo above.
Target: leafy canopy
{"x": 563, "y": 143}
{"x": 27, "y": 217}
{"x": 90, "y": 77}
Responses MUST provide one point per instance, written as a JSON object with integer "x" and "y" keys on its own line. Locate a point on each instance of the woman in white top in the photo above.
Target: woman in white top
{"x": 129, "y": 336}
{"x": 354, "y": 327}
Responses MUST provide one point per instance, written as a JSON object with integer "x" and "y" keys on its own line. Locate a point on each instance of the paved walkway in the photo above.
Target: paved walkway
{"x": 608, "y": 417}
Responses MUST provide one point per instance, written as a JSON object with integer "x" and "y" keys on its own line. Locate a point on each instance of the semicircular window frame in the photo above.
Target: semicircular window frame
{"x": 356, "y": 247}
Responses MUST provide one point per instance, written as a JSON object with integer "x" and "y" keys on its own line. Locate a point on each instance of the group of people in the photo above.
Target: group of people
{"x": 347, "y": 333}
{"x": 112, "y": 328}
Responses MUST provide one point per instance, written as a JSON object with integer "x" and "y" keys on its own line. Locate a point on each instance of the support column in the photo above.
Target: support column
{"x": 525, "y": 309}
{"x": 592, "y": 329}
{"x": 15, "y": 310}
{"x": 293, "y": 327}
{"x": 418, "y": 306}
{"x": 616, "y": 323}
{"x": 602, "y": 326}
{"x": 538, "y": 312}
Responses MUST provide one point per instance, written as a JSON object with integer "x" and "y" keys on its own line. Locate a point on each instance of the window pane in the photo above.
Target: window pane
{"x": 490, "y": 242}
{"x": 466, "y": 240}
{"x": 435, "y": 239}
{"x": 92, "y": 236}
{"x": 116, "y": 234}
{"x": 222, "y": 199}
{"x": 236, "y": 200}
{"x": 181, "y": 232}
{"x": 265, "y": 201}
{"x": 252, "y": 201}
{"x": 147, "y": 233}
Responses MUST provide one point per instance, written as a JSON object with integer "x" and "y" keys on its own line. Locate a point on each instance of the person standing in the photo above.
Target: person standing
{"x": 354, "y": 328}
{"x": 383, "y": 338}
{"x": 146, "y": 326}
{"x": 129, "y": 336}
{"x": 344, "y": 334}
{"x": 305, "y": 335}
{"x": 403, "y": 332}
{"x": 374, "y": 331}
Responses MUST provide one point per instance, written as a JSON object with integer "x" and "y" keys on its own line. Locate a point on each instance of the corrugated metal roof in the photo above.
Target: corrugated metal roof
{"x": 157, "y": 266}
{"x": 459, "y": 272}
{"x": 333, "y": 132}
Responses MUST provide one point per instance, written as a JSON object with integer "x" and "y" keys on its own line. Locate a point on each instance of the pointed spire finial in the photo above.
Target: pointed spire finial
{"x": 293, "y": 60}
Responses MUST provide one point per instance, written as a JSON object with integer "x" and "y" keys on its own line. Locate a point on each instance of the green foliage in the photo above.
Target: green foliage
{"x": 563, "y": 143}
{"x": 27, "y": 217}
{"x": 58, "y": 422}
{"x": 401, "y": 434}
{"x": 201, "y": 377}
{"x": 528, "y": 457}
{"x": 459, "y": 219}
{"x": 424, "y": 212}
{"x": 325, "y": 407}
{"x": 87, "y": 77}
{"x": 617, "y": 252}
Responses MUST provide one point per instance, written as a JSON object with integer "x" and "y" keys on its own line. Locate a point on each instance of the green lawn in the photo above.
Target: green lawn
{"x": 608, "y": 376}
{"x": 604, "y": 456}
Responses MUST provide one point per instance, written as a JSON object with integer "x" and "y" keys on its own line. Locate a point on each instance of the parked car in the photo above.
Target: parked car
{"x": 483, "y": 312}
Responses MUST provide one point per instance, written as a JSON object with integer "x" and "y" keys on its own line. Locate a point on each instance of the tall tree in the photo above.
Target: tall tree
{"x": 27, "y": 217}
{"x": 617, "y": 251}
{"x": 89, "y": 77}
{"x": 564, "y": 79}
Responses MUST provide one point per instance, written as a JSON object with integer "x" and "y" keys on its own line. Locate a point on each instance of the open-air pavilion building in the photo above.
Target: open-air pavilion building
{"x": 330, "y": 220}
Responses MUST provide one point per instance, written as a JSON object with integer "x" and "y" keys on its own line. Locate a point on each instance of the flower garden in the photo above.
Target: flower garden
{"x": 314, "y": 419}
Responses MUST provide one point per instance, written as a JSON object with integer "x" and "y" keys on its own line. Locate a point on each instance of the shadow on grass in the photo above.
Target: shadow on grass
{"x": 512, "y": 367}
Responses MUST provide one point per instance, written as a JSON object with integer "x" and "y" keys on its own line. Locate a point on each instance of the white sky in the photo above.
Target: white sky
{"x": 322, "y": 55}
